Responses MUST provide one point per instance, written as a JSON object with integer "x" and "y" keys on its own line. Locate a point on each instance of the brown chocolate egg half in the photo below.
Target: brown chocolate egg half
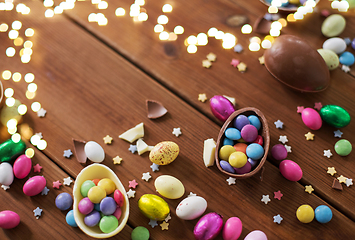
{"x": 292, "y": 61}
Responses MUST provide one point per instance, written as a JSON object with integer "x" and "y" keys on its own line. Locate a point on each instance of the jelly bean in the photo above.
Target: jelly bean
{"x": 118, "y": 196}
{"x": 228, "y": 141}
{"x": 232, "y": 133}
{"x": 347, "y": 58}
{"x": 255, "y": 121}
{"x": 241, "y": 147}
{"x": 34, "y": 186}
{"x": 245, "y": 169}
{"x": 6, "y": 174}
{"x": 9, "y": 219}
{"x": 259, "y": 140}
{"x": 108, "y": 224}
{"x": 226, "y": 166}
{"x": 255, "y": 151}
{"x": 107, "y": 184}
{"x": 108, "y": 206}
{"x": 69, "y": 218}
{"x": 225, "y": 152}
{"x": 337, "y": 45}
{"x": 305, "y": 213}
{"x": 22, "y": 166}
{"x": 279, "y": 152}
{"x": 335, "y": 116}
{"x": 232, "y": 229}
{"x": 85, "y": 187}
{"x": 92, "y": 219}
{"x": 140, "y": 233}
{"x": 9, "y": 148}
{"x": 96, "y": 194}
{"x": 94, "y": 151}
{"x": 311, "y": 118}
{"x": 240, "y": 121}
{"x": 249, "y": 133}
{"x": 256, "y": 235}
{"x": 343, "y": 147}
{"x": 323, "y": 214}
{"x": 290, "y": 170}
{"x": 118, "y": 212}
{"x": 237, "y": 159}
{"x": 64, "y": 201}
{"x": 85, "y": 206}
{"x": 333, "y": 25}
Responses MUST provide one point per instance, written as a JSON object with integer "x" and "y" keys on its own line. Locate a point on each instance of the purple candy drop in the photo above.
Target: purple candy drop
{"x": 92, "y": 219}
{"x": 240, "y": 121}
{"x": 279, "y": 152}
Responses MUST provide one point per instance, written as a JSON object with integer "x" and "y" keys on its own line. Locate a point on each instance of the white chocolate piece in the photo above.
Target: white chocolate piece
{"x": 150, "y": 148}
{"x": 209, "y": 149}
{"x": 133, "y": 134}
{"x": 142, "y": 147}
{"x": 231, "y": 99}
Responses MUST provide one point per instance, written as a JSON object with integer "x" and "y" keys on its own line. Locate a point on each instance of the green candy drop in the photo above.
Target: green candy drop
{"x": 9, "y": 149}
{"x": 85, "y": 187}
{"x": 108, "y": 224}
{"x": 335, "y": 116}
{"x": 140, "y": 233}
{"x": 343, "y": 147}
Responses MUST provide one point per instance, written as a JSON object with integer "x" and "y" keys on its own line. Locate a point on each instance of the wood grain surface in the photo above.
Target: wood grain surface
{"x": 94, "y": 81}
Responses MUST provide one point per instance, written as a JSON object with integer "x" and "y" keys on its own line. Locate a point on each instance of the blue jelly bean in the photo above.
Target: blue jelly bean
{"x": 254, "y": 120}
{"x": 70, "y": 219}
{"x": 108, "y": 206}
{"x": 64, "y": 201}
{"x": 347, "y": 58}
{"x": 240, "y": 121}
{"x": 92, "y": 219}
{"x": 97, "y": 207}
{"x": 226, "y": 166}
{"x": 228, "y": 141}
{"x": 255, "y": 151}
{"x": 323, "y": 214}
{"x": 232, "y": 133}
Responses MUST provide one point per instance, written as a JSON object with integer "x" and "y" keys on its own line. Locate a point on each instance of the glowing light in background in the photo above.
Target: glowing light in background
{"x": 162, "y": 19}
{"x": 16, "y": 137}
{"x": 179, "y": 30}
{"x": 158, "y": 28}
{"x": 9, "y": 92}
{"x": 191, "y": 49}
{"x": 246, "y": 29}
{"x": 36, "y": 106}
{"x": 22, "y": 109}
{"x": 6, "y": 75}
{"x": 29, "y": 152}
{"x": 120, "y": 12}
{"x": 10, "y": 102}
{"x": 167, "y": 8}
{"x": 164, "y": 36}
{"x": 29, "y": 77}
{"x": 212, "y": 32}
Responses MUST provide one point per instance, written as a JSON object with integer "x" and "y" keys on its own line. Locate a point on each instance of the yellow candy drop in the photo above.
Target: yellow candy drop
{"x": 96, "y": 194}
{"x": 225, "y": 152}
{"x": 305, "y": 213}
{"x": 237, "y": 159}
{"x": 108, "y": 185}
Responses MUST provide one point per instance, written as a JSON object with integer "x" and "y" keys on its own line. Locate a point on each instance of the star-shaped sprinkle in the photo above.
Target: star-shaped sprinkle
{"x": 146, "y": 176}
{"x": 283, "y": 139}
{"x": 327, "y": 153}
{"x": 345, "y": 68}
{"x": 39, "y": 135}
{"x": 45, "y": 191}
{"x": 338, "y": 133}
{"x": 331, "y": 170}
{"x": 37, "y": 168}
{"x": 5, "y": 187}
{"x": 153, "y": 223}
{"x": 67, "y": 181}
{"x": 278, "y": 195}
{"x": 67, "y": 153}
{"x": 341, "y": 179}
{"x": 177, "y": 132}
{"x": 279, "y": 124}
{"x": 238, "y": 48}
{"x": 107, "y": 139}
{"x": 133, "y": 184}
{"x": 231, "y": 180}
{"x": 37, "y": 212}
{"x": 309, "y": 136}
{"x": 167, "y": 218}
{"x": 154, "y": 167}
{"x": 41, "y": 112}
{"x": 206, "y": 64}
{"x": 318, "y": 105}
{"x": 211, "y": 57}
{"x": 262, "y": 60}
{"x": 288, "y": 148}
{"x": 202, "y": 97}
{"x": 131, "y": 193}
{"x": 300, "y": 109}
{"x": 57, "y": 184}
{"x": 265, "y": 199}
{"x": 132, "y": 148}
{"x": 308, "y": 189}
{"x": 235, "y": 62}
{"x": 349, "y": 182}
{"x": 117, "y": 160}
{"x": 164, "y": 226}
{"x": 191, "y": 194}
{"x": 242, "y": 67}
{"x": 278, "y": 219}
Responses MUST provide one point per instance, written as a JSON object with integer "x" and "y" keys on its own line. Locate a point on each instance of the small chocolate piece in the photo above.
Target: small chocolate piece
{"x": 337, "y": 185}
{"x": 79, "y": 150}
{"x": 155, "y": 109}
{"x": 262, "y": 25}
{"x": 237, "y": 20}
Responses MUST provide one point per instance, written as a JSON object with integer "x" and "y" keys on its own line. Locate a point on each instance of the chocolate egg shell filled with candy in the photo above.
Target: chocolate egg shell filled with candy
{"x": 292, "y": 61}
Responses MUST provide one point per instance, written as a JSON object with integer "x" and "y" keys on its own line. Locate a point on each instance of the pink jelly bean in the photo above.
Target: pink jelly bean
{"x": 232, "y": 229}
{"x": 22, "y": 166}
{"x": 290, "y": 170}
{"x": 9, "y": 219}
{"x": 34, "y": 185}
{"x": 311, "y": 118}
{"x": 256, "y": 235}
{"x": 118, "y": 196}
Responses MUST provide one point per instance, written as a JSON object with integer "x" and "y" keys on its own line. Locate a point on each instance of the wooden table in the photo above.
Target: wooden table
{"x": 94, "y": 81}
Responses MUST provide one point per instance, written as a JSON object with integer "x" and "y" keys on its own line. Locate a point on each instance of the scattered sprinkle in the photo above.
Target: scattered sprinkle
{"x": 231, "y": 180}
{"x": 327, "y": 153}
{"x": 177, "y": 132}
{"x": 235, "y": 62}
{"x": 202, "y": 97}
{"x": 211, "y": 57}
{"x": 300, "y": 109}
{"x": 279, "y": 124}
{"x": 318, "y": 105}
{"x": 309, "y": 136}
{"x": 278, "y": 219}
{"x": 117, "y": 160}
{"x": 345, "y": 68}
{"x": 37, "y": 212}
{"x": 41, "y": 112}
{"x": 242, "y": 67}
{"x": 67, "y": 153}
{"x": 288, "y": 148}
{"x": 164, "y": 226}
{"x": 278, "y": 195}
{"x": 342, "y": 179}
{"x": 191, "y": 194}
{"x": 132, "y": 148}
{"x": 338, "y": 133}
{"x": 238, "y": 48}
{"x": 5, "y": 187}
{"x": 154, "y": 167}
{"x": 265, "y": 199}
{"x": 349, "y": 182}
{"x": 45, "y": 191}
{"x": 146, "y": 176}
{"x": 283, "y": 139}
{"x": 331, "y": 170}
{"x": 67, "y": 181}
{"x": 107, "y": 139}
{"x": 153, "y": 223}
{"x": 167, "y": 218}
{"x": 133, "y": 184}
{"x": 37, "y": 168}
{"x": 39, "y": 135}
{"x": 262, "y": 60}
{"x": 308, "y": 189}
{"x": 206, "y": 64}
{"x": 57, "y": 184}
{"x": 337, "y": 185}
{"x": 131, "y": 193}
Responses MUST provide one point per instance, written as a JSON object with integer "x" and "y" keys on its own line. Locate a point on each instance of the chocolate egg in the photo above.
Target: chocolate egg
{"x": 335, "y": 116}
{"x": 221, "y": 107}
{"x": 292, "y": 61}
